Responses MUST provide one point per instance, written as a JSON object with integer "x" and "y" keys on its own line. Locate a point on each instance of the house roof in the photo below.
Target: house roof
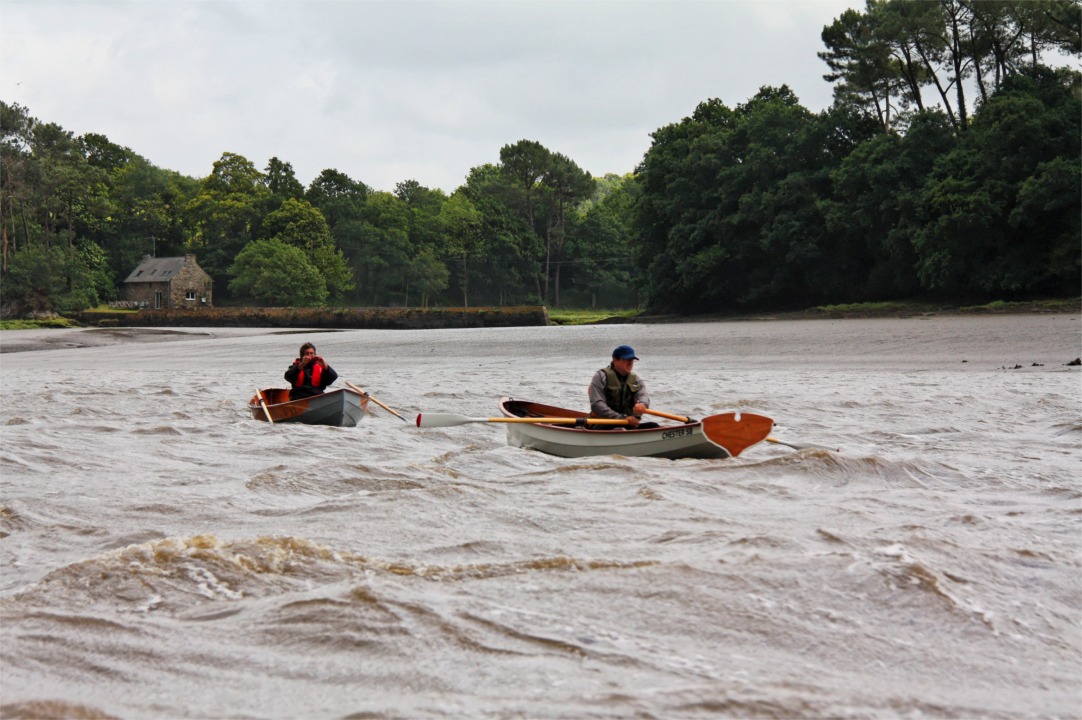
{"x": 154, "y": 269}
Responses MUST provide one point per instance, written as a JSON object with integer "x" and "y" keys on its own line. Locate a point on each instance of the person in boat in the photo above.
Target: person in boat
{"x": 617, "y": 392}
{"x": 309, "y": 374}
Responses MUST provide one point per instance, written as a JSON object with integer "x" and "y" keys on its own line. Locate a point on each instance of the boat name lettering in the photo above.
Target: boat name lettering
{"x": 679, "y": 432}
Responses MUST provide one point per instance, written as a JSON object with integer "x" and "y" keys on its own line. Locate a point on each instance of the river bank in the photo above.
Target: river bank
{"x": 873, "y": 310}
{"x": 336, "y": 318}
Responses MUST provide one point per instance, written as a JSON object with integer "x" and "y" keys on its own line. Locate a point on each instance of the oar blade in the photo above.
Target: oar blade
{"x": 431, "y": 420}
{"x": 737, "y": 431}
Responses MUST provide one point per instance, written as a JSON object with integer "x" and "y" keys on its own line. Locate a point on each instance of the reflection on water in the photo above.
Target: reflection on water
{"x": 163, "y": 555}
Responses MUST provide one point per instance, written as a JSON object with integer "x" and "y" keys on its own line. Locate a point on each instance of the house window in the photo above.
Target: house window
{"x": 190, "y": 295}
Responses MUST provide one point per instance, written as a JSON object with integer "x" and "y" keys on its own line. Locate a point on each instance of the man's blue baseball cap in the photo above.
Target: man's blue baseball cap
{"x": 624, "y": 352}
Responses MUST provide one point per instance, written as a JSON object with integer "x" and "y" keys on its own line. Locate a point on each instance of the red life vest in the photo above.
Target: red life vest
{"x": 317, "y": 373}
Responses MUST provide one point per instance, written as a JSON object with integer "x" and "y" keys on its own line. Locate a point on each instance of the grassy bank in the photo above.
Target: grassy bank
{"x": 560, "y": 316}
{"x": 905, "y": 309}
{"x": 57, "y": 322}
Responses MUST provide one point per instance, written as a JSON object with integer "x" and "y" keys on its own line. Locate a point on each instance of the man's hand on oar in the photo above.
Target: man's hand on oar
{"x": 353, "y": 387}
{"x": 670, "y": 416}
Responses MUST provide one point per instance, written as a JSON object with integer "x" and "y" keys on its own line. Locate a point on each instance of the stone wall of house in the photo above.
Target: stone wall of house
{"x": 142, "y": 294}
{"x": 191, "y": 278}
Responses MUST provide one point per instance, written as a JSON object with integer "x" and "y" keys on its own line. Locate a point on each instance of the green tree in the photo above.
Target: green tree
{"x": 567, "y": 185}
{"x": 298, "y": 223}
{"x": 61, "y": 278}
{"x": 873, "y": 209}
{"x": 282, "y": 182}
{"x": 379, "y": 245}
{"x": 146, "y": 216}
{"x": 17, "y": 178}
{"x": 340, "y": 198}
{"x": 427, "y": 275}
{"x": 601, "y": 248}
{"x": 861, "y": 66}
{"x": 426, "y": 272}
{"x": 1002, "y": 209}
{"x": 985, "y": 199}
{"x": 225, "y": 215}
{"x": 510, "y": 271}
{"x": 731, "y": 210}
{"x": 462, "y": 227}
{"x": 272, "y": 272}
{"x": 523, "y": 166}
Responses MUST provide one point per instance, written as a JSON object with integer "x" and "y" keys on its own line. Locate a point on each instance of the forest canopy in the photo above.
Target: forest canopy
{"x": 949, "y": 165}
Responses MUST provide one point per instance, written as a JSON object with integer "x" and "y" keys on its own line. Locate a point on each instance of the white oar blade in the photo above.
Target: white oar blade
{"x": 429, "y": 420}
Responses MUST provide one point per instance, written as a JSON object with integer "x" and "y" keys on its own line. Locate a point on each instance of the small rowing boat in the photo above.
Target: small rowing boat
{"x": 341, "y": 408}
{"x": 716, "y": 436}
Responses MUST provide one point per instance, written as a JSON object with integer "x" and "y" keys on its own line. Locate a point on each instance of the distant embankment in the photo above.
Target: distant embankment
{"x": 338, "y": 318}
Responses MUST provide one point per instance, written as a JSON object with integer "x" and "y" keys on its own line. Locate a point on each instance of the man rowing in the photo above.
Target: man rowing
{"x": 616, "y": 392}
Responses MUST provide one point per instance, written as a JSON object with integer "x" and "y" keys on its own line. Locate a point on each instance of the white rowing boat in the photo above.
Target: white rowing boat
{"x": 717, "y": 436}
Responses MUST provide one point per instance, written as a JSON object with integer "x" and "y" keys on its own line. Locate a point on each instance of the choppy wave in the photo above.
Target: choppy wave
{"x": 170, "y": 574}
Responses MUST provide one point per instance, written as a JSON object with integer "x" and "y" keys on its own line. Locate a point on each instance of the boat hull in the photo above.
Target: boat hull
{"x": 338, "y": 408}
{"x": 673, "y": 441}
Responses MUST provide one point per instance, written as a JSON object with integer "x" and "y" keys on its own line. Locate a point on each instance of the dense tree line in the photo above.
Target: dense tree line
{"x": 883, "y": 196}
{"x": 79, "y": 213}
{"x": 950, "y": 164}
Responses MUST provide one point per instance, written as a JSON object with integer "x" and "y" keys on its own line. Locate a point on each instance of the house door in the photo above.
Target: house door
{"x": 157, "y": 301}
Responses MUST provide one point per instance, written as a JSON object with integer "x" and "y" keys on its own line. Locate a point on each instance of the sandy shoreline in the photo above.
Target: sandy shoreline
{"x": 36, "y": 339}
{"x": 12, "y": 341}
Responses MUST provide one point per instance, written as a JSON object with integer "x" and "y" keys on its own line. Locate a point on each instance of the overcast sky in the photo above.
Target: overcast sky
{"x": 404, "y": 90}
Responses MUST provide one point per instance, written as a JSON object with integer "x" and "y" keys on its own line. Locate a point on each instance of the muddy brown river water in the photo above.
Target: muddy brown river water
{"x": 163, "y": 555}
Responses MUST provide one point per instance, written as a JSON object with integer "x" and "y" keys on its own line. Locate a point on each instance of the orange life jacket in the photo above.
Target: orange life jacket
{"x": 317, "y": 374}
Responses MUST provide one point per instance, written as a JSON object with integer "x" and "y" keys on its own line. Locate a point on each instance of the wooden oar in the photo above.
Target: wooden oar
{"x": 450, "y": 420}
{"x": 802, "y": 446}
{"x": 351, "y": 386}
{"x": 670, "y": 416}
{"x": 259, "y": 394}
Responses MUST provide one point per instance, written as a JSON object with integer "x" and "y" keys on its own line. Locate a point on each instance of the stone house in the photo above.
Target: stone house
{"x": 168, "y": 283}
